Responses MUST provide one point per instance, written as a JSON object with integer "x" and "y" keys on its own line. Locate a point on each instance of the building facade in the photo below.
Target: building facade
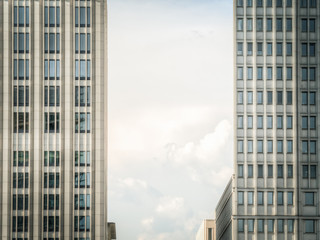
{"x": 276, "y": 65}
{"x": 53, "y": 119}
{"x": 207, "y": 230}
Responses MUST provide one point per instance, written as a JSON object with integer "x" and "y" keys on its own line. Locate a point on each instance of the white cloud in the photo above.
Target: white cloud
{"x": 170, "y": 206}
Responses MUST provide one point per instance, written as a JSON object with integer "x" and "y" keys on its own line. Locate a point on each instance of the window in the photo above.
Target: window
{"x": 289, "y": 122}
{"x": 290, "y": 225}
{"x": 249, "y": 73}
{"x": 240, "y": 170}
{"x": 269, "y": 3}
{"x": 240, "y": 198}
{"x": 289, "y": 73}
{"x": 240, "y": 24}
{"x": 249, "y": 49}
{"x": 313, "y": 3}
{"x": 269, "y": 49}
{"x": 259, "y": 3}
{"x": 259, "y": 49}
{"x": 279, "y": 122}
{"x": 312, "y": 25}
{"x": 259, "y": 24}
{"x": 280, "y": 198}
{"x": 240, "y": 73}
{"x": 290, "y": 198}
{"x": 280, "y": 225}
{"x": 21, "y": 16}
{"x": 82, "y": 17}
{"x": 312, "y": 98}
{"x": 304, "y": 49}
{"x": 280, "y": 171}
{"x": 279, "y": 146}
{"x": 313, "y": 171}
{"x": 270, "y": 225}
{"x": 313, "y": 147}
{"x": 250, "y": 171}
{"x": 269, "y": 73}
{"x": 259, "y": 73}
{"x": 279, "y": 73}
{"x": 289, "y": 97}
{"x": 312, "y": 74}
{"x": 279, "y": 24}
{"x": 270, "y": 146}
{"x": 260, "y": 198}
{"x": 240, "y": 122}
{"x": 279, "y": 49}
{"x": 250, "y": 198}
{"x": 305, "y": 171}
{"x": 260, "y": 225}
{"x": 304, "y": 122}
{"x": 289, "y": 49}
{"x": 250, "y": 122}
{"x": 279, "y": 97}
{"x": 289, "y": 146}
{"x": 250, "y": 97}
{"x": 250, "y": 225}
{"x": 240, "y": 48}
{"x": 304, "y": 73}
{"x": 312, "y": 49}
{"x": 260, "y": 171}
{"x": 303, "y": 3}
{"x": 240, "y": 146}
{"x": 309, "y": 226}
{"x": 250, "y": 146}
{"x": 259, "y": 122}
{"x": 309, "y": 198}
{"x": 269, "y": 24}
{"x": 270, "y": 198}
{"x": 270, "y": 171}
{"x": 304, "y": 25}
{"x": 305, "y": 147}
{"x": 289, "y": 24}
{"x": 240, "y": 222}
{"x": 279, "y": 3}
{"x": 269, "y": 97}
{"x": 249, "y": 3}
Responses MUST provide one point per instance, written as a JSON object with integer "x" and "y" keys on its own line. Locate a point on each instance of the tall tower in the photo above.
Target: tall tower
{"x": 53, "y": 119}
{"x": 276, "y": 84}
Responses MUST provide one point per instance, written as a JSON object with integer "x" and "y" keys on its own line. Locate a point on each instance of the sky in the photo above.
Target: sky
{"x": 170, "y": 115}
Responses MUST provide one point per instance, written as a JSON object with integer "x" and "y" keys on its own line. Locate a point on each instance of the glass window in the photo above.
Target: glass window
{"x": 289, "y": 24}
{"x": 88, "y": 201}
{"x": 88, "y": 96}
{"x": 260, "y": 198}
{"x": 52, "y": 69}
{"x": 88, "y": 122}
{"x": 279, "y": 49}
{"x": 250, "y": 146}
{"x": 259, "y": 73}
{"x": 280, "y": 198}
{"x": 52, "y": 42}
{"x": 58, "y": 16}
{"x": 279, "y": 146}
{"x": 250, "y": 171}
{"x": 312, "y": 98}
{"x": 249, "y": 3}
{"x": 279, "y": 24}
{"x": 312, "y": 49}
{"x": 312, "y": 74}
{"x": 240, "y": 198}
{"x": 249, "y": 24}
{"x": 269, "y": 49}
{"x": 313, "y": 147}
{"x": 312, "y": 25}
{"x": 290, "y": 198}
{"x": 259, "y": 49}
{"x": 88, "y": 70}
{"x": 250, "y": 198}
{"x": 249, "y": 122}
{"x": 289, "y": 73}
{"x": 289, "y": 97}
{"x": 269, "y": 3}
{"x": 46, "y": 16}
{"x": 240, "y": 146}
{"x": 82, "y": 69}
{"x": 259, "y": 122}
{"x": 313, "y": 171}
{"x": 280, "y": 225}
{"x": 77, "y": 16}
{"x": 269, "y": 24}
{"x": 279, "y": 73}
{"x": 88, "y": 16}
{"x": 260, "y": 149}
{"x": 289, "y": 49}
{"x": 82, "y": 17}
{"x": 250, "y": 225}
{"x": 52, "y": 16}
{"x": 279, "y": 122}
{"x": 313, "y": 3}
{"x": 21, "y": 16}
{"x": 289, "y": 122}
{"x": 88, "y": 180}
{"x": 290, "y": 225}
{"x": 304, "y": 49}
{"x": 289, "y": 146}
{"x": 269, "y": 97}
{"x": 240, "y": 225}
{"x": 240, "y": 170}
{"x": 269, "y": 73}
{"x": 250, "y": 97}
{"x": 260, "y": 225}
{"x": 270, "y": 225}
{"x": 279, "y": 97}
{"x": 270, "y": 146}
{"x": 88, "y": 43}
{"x": 240, "y": 73}
{"x": 82, "y": 42}
{"x": 309, "y": 226}
{"x": 259, "y": 24}
{"x": 82, "y": 180}
{"x": 280, "y": 171}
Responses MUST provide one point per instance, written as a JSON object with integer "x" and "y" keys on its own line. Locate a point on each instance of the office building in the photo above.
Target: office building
{"x": 53, "y": 119}
{"x": 206, "y": 230}
{"x": 275, "y": 189}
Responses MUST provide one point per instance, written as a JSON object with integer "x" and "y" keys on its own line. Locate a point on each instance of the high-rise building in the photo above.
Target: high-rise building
{"x": 207, "y": 230}
{"x": 53, "y": 119}
{"x": 275, "y": 192}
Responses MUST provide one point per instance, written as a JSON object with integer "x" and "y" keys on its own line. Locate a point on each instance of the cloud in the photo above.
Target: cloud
{"x": 170, "y": 206}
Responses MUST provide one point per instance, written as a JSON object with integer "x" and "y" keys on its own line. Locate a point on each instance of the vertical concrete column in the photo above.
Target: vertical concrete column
{"x": 67, "y": 113}
{"x": 6, "y": 114}
{"x": 99, "y": 120}
{"x": 37, "y": 124}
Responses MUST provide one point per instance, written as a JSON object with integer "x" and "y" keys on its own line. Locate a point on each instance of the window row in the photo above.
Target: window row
{"x": 308, "y": 74}
{"x": 21, "y": 43}
{"x": 264, "y": 24}
{"x": 51, "y": 180}
{"x": 309, "y": 122}
{"x": 81, "y": 158}
{"x": 52, "y": 96}
{"x": 21, "y": 122}
{"x": 51, "y": 202}
{"x": 21, "y": 157}
{"x": 53, "y": 157}
{"x": 269, "y": 97}
{"x": 308, "y": 49}
{"x": 20, "y": 181}
{"x": 21, "y": 69}
{"x": 81, "y": 201}
{"x": 20, "y": 202}
{"x": 21, "y": 16}
{"x": 309, "y": 171}
{"x": 21, "y": 96}
{"x": 261, "y": 144}
{"x": 269, "y": 171}
{"x": 51, "y": 223}
{"x": 266, "y": 225}
{"x": 52, "y": 43}
{"x": 260, "y": 198}
{"x": 85, "y": 95}
{"x": 84, "y": 43}
{"x": 309, "y": 146}
{"x": 269, "y": 122}
{"x": 84, "y": 16}
{"x": 52, "y": 16}
{"x": 268, "y": 49}
{"x": 51, "y": 122}
{"x": 20, "y": 223}
{"x": 82, "y": 69}
{"x": 82, "y": 122}
{"x": 268, "y": 72}
{"x": 81, "y": 223}
{"x": 308, "y": 25}
{"x": 80, "y": 180}
{"x": 52, "y": 69}
{"x": 268, "y": 3}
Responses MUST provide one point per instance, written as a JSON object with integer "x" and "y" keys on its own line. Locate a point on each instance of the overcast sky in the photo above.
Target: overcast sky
{"x": 170, "y": 115}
